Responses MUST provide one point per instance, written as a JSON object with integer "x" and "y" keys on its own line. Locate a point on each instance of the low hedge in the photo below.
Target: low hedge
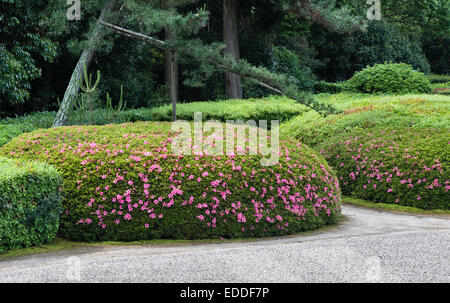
{"x": 121, "y": 182}
{"x": 271, "y": 108}
{"x": 393, "y": 78}
{"x": 30, "y": 203}
{"x": 328, "y": 87}
{"x": 408, "y": 166}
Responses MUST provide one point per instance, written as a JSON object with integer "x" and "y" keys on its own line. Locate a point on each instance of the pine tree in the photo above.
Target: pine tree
{"x": 154, "y": 17}
{"x": 180, "y": 44}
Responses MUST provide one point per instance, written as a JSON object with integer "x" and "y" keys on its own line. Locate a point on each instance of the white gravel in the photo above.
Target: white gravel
{"x": 369, "y": 246}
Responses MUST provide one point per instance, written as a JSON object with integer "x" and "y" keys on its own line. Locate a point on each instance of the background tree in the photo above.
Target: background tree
{"x": 23, "y": 45}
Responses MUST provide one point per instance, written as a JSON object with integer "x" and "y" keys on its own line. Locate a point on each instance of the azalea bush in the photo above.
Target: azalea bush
{"x": 408, "y": 166}
{"x": 393, "y": 78}
{"x": 30, "y": 203}
{"x": 122, "y": 182}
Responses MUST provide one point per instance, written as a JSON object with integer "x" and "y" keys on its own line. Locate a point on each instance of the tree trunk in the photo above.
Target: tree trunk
{"x": 86, "y": 57}
{"x": 171, "y": 74}
{"x": 231, "y": 39}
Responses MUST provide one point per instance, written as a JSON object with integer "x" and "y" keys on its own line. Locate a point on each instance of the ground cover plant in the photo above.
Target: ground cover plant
{"x": 30, "y": 203}
{"x": 408, "y": 166}
{"x": 121, "y": 182}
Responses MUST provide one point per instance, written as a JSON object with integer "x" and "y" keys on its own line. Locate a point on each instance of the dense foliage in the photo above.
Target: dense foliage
{"x": 22, "y": 47}
{"x": 30, "y": 203}
{"x": 407, "y": 166}
{"x": 394, "y": 78}
{"x": 344, "y": 55}
{"x": 121, "y": 182}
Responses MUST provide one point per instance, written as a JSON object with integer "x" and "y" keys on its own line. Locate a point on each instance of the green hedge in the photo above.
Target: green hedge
{"x": 439, "y": 78}
{"x": 121, "y": 182}
{"x": 394, "y": 78}
{"x": 328, "y": 87}
{"x": 408, "y": 166}
{"x": 30, "y": 203}
{"x": 271, "y": 108}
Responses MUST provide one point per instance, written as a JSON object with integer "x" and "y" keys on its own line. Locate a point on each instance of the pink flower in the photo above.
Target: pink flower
{"x": 241, "y": 218}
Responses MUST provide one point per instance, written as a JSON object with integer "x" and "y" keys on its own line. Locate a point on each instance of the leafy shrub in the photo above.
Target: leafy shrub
{"x": 394, "y": 78}
{"x": 272, "y": 108}
{"x": 30, "y": 203}
{"x": 327, "y": 87}
{"x": 121, "y": 182}
{"x": 405, "y": 166}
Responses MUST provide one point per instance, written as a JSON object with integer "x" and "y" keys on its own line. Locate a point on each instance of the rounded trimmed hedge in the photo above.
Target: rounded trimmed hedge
{"x": 30, "y": 203}
{"x": 408, "y": 166}
{"x": 393, "y": 78}
{"x": 121, "y": 182}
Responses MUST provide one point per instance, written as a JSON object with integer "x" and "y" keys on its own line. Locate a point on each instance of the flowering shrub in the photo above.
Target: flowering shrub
{"x": 122, "y": 182}
{"x": 408, "y": 166}
{"x": 30, "y": 203}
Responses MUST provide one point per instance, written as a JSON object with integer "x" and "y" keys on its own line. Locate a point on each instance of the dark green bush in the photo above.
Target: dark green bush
{"x": 345, "y": 54}
{"x": 122, "y": 182}
{"x": 30, "y": 203}
{"x": 394, "y": 78}
{"x": 408, "y": 166}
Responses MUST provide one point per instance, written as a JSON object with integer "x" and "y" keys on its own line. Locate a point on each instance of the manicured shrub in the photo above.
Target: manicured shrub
{"x": 12, "y": 127}
{"x": 406, "y": 166}
{"x": 30, "y": 203}
{"x": 121, "y": 182}
{"x": 394, "y": 78}
{"x": 391, "y": 112}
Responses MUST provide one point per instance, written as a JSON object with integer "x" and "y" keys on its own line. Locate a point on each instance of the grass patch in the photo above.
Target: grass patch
{"x": 393, "y": 207}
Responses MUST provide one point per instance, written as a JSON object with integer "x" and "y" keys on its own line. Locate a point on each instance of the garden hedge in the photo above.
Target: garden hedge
{"x": 408, "y": 166}
{"x": 30, "y": 203}
{"x": 121, "y": 182}
{"x": 271, "y": 108}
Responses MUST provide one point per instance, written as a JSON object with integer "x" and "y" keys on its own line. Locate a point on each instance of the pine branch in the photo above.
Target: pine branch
{"x": 260, "y": 76}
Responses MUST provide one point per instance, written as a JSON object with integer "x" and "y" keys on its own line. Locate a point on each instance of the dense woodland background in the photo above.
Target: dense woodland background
{"x": 39, "y": 47}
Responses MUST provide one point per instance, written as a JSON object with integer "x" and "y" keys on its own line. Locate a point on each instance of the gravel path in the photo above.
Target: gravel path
{"x": 369, "y": 246}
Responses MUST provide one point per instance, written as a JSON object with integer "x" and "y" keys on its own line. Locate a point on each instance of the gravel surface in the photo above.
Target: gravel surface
{"x": 369, "y": 246}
